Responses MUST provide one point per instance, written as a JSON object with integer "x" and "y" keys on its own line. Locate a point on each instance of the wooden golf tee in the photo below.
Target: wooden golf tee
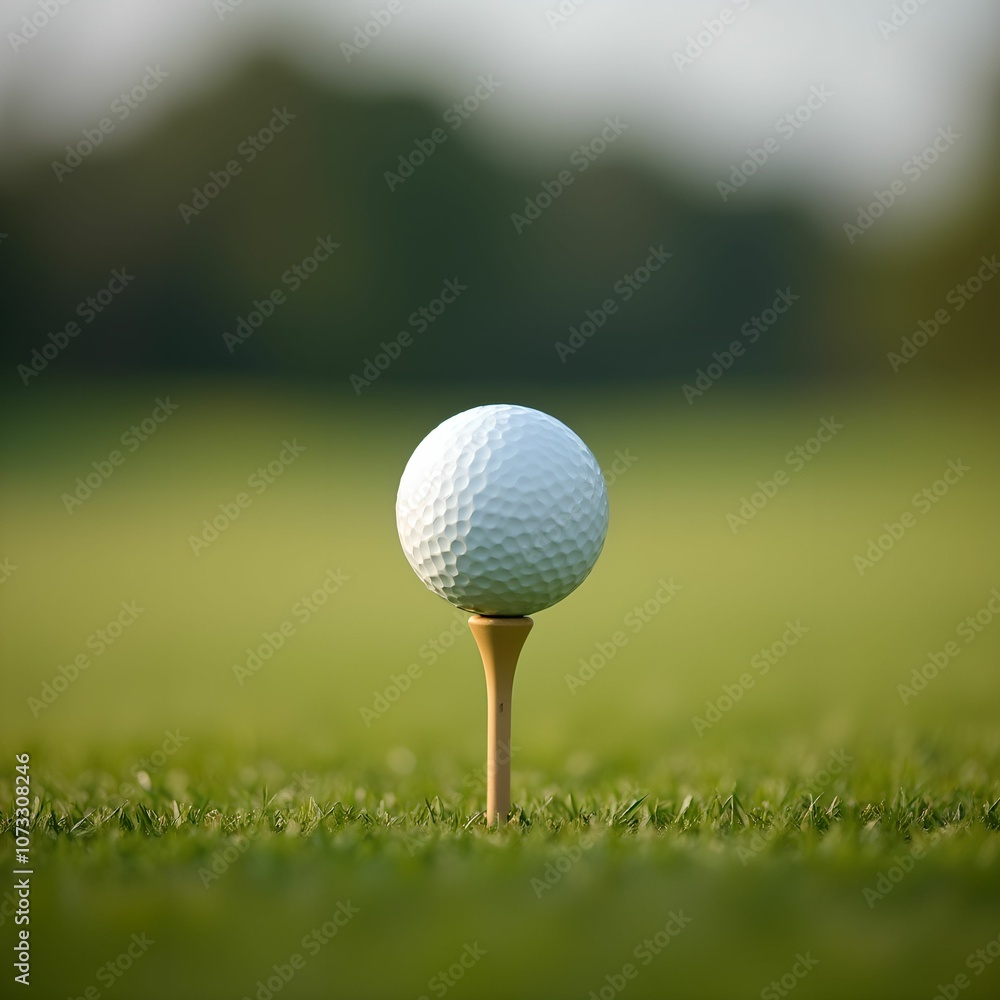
{"x": 500, "y": 641}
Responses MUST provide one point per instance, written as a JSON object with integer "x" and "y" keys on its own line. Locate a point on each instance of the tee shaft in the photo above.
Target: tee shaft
{"x": 500, "y": 641}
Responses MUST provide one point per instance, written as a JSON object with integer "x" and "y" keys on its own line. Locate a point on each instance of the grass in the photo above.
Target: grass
{"x": 239, "y": 821}
{"x": 241, "y": 866}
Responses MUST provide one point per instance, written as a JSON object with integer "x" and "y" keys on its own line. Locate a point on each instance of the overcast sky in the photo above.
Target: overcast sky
{"x": 884, "y": 76}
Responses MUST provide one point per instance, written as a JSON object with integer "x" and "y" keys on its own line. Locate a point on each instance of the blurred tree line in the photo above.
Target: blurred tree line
{"x": 278, "y": 227}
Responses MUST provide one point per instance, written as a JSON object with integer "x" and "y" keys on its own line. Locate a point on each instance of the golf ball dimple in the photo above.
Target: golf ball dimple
{"x": 502, "y": 510}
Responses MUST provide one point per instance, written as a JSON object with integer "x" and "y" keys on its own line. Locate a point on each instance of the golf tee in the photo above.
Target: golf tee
{"x": 500, "y": 641}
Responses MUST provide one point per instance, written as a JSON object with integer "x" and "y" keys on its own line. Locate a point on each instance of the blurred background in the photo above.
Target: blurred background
{"x": 839, "y": 100}
{"x": 260, "y": 249}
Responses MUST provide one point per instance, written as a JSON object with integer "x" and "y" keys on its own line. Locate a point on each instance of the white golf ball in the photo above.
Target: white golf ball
{"x": 502, "y": 510}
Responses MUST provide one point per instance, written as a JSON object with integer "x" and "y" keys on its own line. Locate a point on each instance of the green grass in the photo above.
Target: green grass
{"x": 228, "y": 870}
{"x": 226, "y": 820}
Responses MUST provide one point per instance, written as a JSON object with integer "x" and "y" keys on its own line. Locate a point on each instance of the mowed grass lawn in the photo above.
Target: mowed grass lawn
{"x": 256, "y": 757}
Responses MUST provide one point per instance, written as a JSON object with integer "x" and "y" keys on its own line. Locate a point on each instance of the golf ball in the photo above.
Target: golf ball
{"x": 502, "y": 510}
